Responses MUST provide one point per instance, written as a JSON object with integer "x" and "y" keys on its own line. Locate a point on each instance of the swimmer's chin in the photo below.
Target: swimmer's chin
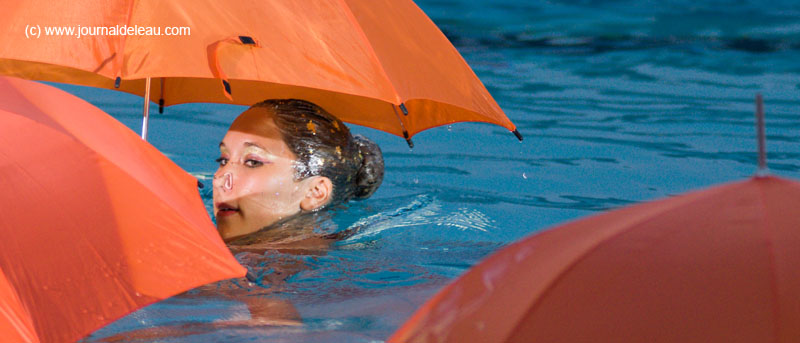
{"x": 232, "y": 230}
{"x": 229, "y": 232}
{"x": 289, "y": 228}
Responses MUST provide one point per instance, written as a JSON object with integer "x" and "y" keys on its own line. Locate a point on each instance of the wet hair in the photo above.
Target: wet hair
{"x": 324, "y": 146}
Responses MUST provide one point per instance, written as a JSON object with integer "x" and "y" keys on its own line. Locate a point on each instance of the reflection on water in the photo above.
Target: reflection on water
{"x": 619, "y": 102}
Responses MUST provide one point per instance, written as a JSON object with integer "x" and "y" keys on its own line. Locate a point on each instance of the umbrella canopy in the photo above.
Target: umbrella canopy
{"x": 96, "y": 223}
{"x": 378, "y": 63}
{"x": 717, "y": 265}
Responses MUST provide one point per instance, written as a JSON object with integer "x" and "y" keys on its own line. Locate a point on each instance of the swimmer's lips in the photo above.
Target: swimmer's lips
{"x": 224, "y": 210}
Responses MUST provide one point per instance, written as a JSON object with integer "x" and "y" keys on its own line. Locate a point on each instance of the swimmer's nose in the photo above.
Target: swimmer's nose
{"x": 224, "y": 182}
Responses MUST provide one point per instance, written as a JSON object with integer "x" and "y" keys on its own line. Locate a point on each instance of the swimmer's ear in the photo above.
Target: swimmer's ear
{"x": 319, "y": 193}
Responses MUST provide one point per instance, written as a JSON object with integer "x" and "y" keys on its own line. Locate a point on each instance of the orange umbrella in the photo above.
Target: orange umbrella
{"x": 717, "y": 265}
{"x": 377, "y": 63}
{"x": 96, "y": 223}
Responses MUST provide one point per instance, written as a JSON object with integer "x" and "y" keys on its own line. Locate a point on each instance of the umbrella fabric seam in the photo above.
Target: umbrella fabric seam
{"x": 154, "y": 194}
{"x": 373, "y": 56}
{"x": 17, "y": 321}
{"x": 769, "y": 238}
{"x": 121, "y": 53}
{"x": 105, "y": 158}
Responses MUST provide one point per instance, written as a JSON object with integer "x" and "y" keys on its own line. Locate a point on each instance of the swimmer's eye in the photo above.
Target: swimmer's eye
{"x": 253, "y": 163}
{"x": 222, "y": 161}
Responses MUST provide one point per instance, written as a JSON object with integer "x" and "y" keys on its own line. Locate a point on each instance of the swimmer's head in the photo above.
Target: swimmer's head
{"x": 283, "y": 157}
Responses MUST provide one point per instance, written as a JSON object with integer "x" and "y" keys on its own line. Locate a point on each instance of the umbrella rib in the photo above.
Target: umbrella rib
{"x": 155, "y": 195}
{"x": 770, "y": 240}
{"x": 538, "y": 300}
{"x": 120, "y": 54}
{"x": 354, "y": 22}
{"x": 17, "y": 321}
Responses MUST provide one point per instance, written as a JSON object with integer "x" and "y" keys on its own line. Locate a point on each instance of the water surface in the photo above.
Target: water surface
{"x": 619, "y": 102}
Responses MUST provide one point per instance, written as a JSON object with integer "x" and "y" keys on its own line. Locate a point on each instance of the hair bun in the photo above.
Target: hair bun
{"x": 370, "y": 174}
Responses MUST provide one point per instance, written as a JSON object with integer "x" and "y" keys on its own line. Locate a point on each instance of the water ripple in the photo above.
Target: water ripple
{"x": 486, "y": 197}
{"x": 423, "y": 210}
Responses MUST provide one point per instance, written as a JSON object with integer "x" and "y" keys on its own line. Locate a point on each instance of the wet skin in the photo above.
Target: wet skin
{"x": 254, "y": 186}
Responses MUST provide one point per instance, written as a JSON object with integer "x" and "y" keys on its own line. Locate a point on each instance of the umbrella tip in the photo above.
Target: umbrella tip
{"x": 161, "y": 106}
{"x": 760, "y": 133}
{"x": 408, "y": 140}
{"x": 516, "y": 133}
{"x": 247, "y": 40}
{"x": 404, "y": 109}
{"x": 227, "y": 86}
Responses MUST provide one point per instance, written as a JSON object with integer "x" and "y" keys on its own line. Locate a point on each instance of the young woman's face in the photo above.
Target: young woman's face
{"x": 254, "y": 186}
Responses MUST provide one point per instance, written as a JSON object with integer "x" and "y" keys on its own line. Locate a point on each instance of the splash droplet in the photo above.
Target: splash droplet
{"x": 524, "y": 176}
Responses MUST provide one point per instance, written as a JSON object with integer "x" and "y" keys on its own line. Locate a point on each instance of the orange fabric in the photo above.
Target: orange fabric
{"x": 356, "y": 58}
{"x": 718, "y": 265}
{"x": 96, "y": 222}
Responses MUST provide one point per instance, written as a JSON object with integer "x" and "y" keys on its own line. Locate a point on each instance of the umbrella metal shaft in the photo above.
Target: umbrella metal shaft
{"x": 762, "y": 150}
{"x": 146, "y": 113}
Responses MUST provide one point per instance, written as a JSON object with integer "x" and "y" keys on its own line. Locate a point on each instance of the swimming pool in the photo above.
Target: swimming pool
{"x": 619, "y": 102}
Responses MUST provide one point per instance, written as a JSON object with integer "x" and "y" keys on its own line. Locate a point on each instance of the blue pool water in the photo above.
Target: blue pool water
{"x": 619, "y": 102}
